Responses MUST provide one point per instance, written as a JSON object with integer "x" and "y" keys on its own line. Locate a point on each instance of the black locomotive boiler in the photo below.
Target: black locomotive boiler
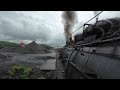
{"x": 94, "y": 54}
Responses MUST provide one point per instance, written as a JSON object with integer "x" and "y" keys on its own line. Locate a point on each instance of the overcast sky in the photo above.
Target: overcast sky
{"x": 41, "y": 26}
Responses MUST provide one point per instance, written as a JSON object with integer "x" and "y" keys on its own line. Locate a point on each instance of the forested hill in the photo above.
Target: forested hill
{"x": 11, "y": 44}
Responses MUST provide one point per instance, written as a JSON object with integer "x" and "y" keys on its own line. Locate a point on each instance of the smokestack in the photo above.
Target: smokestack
{"x": 69, "y": 21}
{"x": 95, "y": 13}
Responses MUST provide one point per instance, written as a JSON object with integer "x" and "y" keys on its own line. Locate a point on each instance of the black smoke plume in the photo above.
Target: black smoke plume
{"x": 69, "y": 20}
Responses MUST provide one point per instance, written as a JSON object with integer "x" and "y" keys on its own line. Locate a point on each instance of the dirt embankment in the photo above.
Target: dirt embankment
{"x": 42, "y": 65}
{"x": 39, "y": 61}
{"x": 32, "y": 48}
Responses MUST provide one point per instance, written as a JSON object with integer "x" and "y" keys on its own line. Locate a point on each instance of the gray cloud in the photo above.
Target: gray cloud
{"x": 24, "y": 30}
{"x": 42, "y": 26}
{"x": 24, "y": 26}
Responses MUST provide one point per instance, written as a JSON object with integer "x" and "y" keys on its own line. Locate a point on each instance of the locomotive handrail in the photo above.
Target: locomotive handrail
{"x": 98, "y": 42}
{"x": 76, "y": 67}
{"x": 87, "y": 22}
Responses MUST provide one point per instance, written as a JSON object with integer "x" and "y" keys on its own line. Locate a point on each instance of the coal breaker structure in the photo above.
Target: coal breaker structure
{"x": 94, "y": 54}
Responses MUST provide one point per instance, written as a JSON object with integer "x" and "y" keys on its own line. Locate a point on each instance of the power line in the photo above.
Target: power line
{"x": 88, "y": 21}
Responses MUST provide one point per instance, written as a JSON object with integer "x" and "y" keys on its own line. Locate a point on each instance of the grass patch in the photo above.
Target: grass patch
{"x": 20, "y": 72}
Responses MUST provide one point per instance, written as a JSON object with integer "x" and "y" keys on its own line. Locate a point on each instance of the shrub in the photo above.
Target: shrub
{"x": 20, "y": 72}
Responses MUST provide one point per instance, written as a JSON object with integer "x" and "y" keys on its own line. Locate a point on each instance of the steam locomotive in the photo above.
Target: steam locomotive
{"x": 95, "y": 53}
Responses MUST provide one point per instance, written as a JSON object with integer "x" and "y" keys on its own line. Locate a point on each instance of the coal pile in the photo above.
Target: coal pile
{"x": 32, "y": 48}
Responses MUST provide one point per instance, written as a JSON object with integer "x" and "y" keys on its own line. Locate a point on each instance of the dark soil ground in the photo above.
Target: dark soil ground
{"x": 43, "y": 65}
{"x": 33, "y": 56}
